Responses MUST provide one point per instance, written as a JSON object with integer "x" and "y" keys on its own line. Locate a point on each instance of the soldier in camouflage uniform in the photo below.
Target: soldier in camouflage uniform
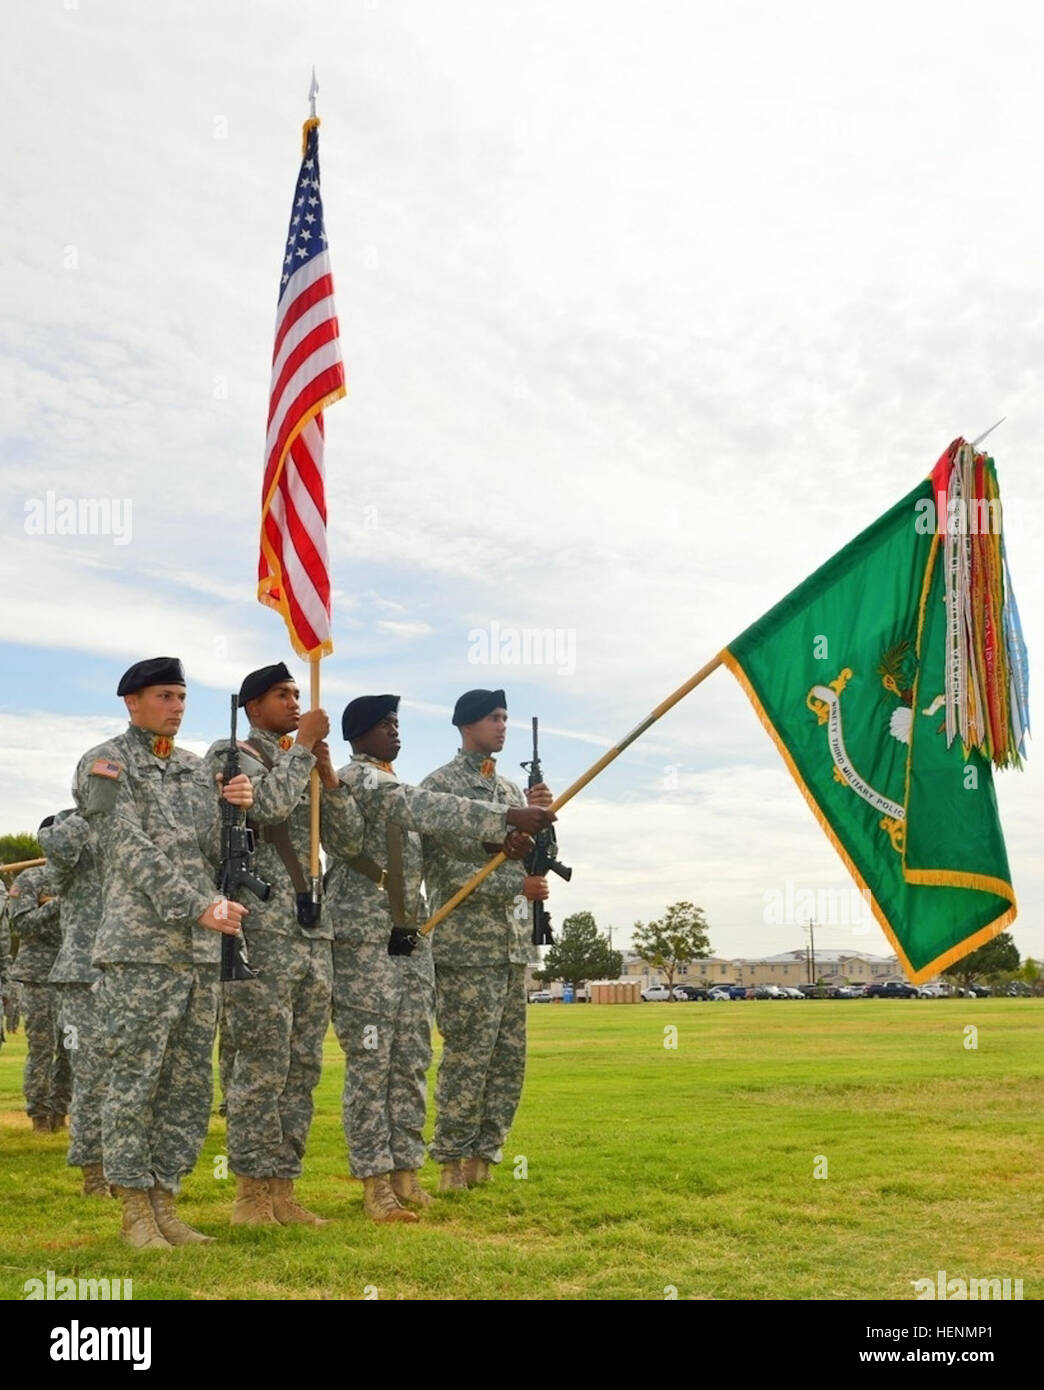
{"x": 11, "y": 994}
{"x": 273, "y": 1026}
{"x": 5, "y": 956}
{"x": 6, "y": 982}
{"x": 480, "y": 953}
{"x": 34, "y": 917}
{"x": 154, "y": 815}
{"x": 384, "y": 1003}
{"x": 66, "y": 842}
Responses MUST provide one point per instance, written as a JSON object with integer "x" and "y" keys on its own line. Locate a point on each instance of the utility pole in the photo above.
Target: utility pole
{"x": 812, "y": 946}
{"x": 811, "y": 953}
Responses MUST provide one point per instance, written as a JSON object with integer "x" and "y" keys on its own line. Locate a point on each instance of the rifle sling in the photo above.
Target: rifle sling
{"x": 392, "y": 879}
{"x": 279, "y": 835}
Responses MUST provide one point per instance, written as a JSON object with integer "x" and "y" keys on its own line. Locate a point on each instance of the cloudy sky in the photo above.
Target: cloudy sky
{"x": 646, "y": 309}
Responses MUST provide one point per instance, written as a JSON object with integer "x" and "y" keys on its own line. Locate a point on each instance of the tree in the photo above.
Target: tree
{"x": 580, "y": 954}
{"x": 680, "y": 938}
{"x": 15, "y": 848}
{"x": 1030, "y": 974}
{"x": 1000, "y": 954}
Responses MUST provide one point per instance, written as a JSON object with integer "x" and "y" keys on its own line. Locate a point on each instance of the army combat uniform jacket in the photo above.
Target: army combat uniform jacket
{"x": 156, "y": 823}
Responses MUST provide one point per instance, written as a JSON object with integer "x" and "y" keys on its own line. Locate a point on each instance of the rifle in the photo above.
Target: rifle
{"x": 237, "y": 865}
{"x": 544, "y": 856}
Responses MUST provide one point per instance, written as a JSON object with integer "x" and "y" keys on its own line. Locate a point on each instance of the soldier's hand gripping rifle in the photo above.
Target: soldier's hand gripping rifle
{"x": 544, "y": 856}
{"x": 237, "y": 865}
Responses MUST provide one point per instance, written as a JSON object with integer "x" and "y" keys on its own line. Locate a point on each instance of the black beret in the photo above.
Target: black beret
{"x": 259, "y": 683}
{"x": 160, "y": 670}
{"x": 365, "y": 712}
{"x": 474, "y": 705}
{"x": 45, "y": 823}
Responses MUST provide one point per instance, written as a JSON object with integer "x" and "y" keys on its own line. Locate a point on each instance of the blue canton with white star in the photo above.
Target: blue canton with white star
{"x": 307, "y": 237}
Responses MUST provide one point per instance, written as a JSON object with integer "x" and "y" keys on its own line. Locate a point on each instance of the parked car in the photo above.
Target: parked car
{"x": 893, "y": 989}
{"x": 789, "y": 992}
{"x": 718, "y": 993}
{"x": 979, "y": 992}
{"x": 656, "y": 994}
{"x": 934, "y": 991}
{"x": 541, "y": 996}
{"x": 740, "y": 992}
{"x": 689, "y": 992}
{"x": 1018, "y": 989}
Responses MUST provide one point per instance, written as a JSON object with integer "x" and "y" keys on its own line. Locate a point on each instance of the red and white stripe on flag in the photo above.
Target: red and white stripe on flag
{"x": 307, "y": 375}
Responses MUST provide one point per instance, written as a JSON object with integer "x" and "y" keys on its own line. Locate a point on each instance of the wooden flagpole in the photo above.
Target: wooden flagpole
{"x": 313, "y": 783}
{"x": 581, "y": 782}
{"x": 22, "y": 864}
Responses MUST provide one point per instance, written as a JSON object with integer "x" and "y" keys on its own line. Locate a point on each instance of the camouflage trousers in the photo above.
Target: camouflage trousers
{"x": 481, "y": 1015}
{"x": 83, "y": 1033}
{"x": 275, "y": 1026}
{"x": 382, "y": 1010}
{"x": 159, "y": 1040}
{"x": 47, "y": 1081}
{"x": 226, "y": 1056}
{"x": 14, "y": 1008}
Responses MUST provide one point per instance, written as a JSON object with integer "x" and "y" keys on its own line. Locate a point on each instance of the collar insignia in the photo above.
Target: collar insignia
{"x": 488, "y": 767}
{"x": 286, "y": 743}
{"x": 162, "y": 746}
{"x": 385, "y": 767}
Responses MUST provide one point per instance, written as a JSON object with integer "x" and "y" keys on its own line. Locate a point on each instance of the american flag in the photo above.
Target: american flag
{"x": 307, "y": 375}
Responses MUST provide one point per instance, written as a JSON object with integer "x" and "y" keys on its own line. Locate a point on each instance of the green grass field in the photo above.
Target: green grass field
{"x": 648, "y": 1169}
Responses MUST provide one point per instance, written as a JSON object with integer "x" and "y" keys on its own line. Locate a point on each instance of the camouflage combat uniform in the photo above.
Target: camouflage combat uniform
{"x": 70, "y": 856}
{"x": 480, "y": 952}
{"x": 5, "y": 956}
{"x": 10, "y": 1001}
{"x": 155, "y": 821}
{"x": 384, "y": 1005}
{"x": 273, "y": 1027}
{"x": 48, "y": 1079}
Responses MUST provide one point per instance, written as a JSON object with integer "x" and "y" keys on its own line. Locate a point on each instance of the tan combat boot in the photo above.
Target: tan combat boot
{"x": 139, "y": 1221}
{"x": 253, "y": 1204}
{"x": 380, "y": 1202}
{"x": 287, "y": 1210}
{"x": 453, "y": 1179}
{"x": 476, "y": 1170}
{"x": 94, "y": 1184}
{"x": 408, "y": 1189}
{"x": 41, "y": 1124}
{"x": 173, "y": 1230}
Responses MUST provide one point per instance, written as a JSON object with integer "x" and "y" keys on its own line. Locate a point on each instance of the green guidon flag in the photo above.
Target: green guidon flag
{"x": 891, "y": 680}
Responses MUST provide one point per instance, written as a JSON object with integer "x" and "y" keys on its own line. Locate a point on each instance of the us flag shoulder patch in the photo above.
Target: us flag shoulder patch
{"x": 101, "y": 767}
